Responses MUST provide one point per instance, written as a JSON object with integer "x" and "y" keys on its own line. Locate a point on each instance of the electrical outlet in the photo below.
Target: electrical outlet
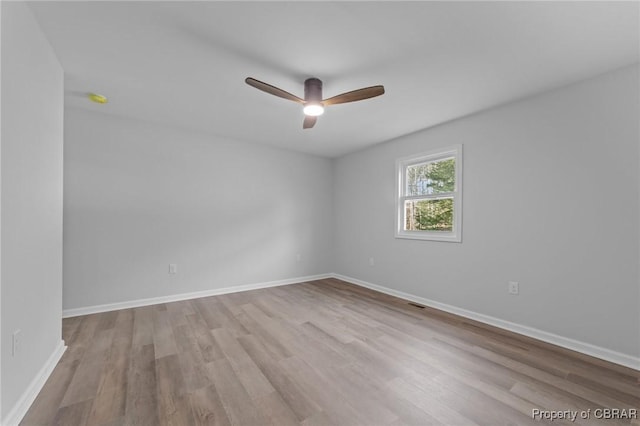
{"x": 514, "y": 288}
{"x": 173, "y": 268}
{"x": 372, "y": 261}
{"x": 15, "y": 347}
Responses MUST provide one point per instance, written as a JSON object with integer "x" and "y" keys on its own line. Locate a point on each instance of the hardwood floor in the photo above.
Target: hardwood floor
{"x": 319, "y": 353}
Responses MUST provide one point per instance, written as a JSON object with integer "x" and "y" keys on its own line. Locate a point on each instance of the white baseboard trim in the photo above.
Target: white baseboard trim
{"x": 14, "y": 417}
{"x": 554, "y": 339}
{"x": 565, "y": 342}
{"x": 68, "y": 313}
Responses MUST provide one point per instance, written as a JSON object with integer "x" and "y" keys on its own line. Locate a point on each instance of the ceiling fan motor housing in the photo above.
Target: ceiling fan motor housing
{"x": 313, "y": 90}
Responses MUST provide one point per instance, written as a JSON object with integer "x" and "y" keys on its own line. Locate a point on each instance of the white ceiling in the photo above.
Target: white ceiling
{"x": 184, "y": 63}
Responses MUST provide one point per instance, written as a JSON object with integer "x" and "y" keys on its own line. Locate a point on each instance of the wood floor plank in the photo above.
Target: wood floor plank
{"x": 142, "y": 326}
{"x": 46, "y": 407}
{"x": 469, "y": 371}
{"x": 317, "y": 353}
{"x": 249, "y": 374}
{"x": 110, "y": 400}
{"x": 209, "y": 348}
{"x": 315, "y": 387}
{"x": 142, "y": 401}
{"x": 349, "y": 383}
{"x": 74, "y": 414}
{"x": 236, "y": 401}
{"x": 469, "y": 401}
{"x": 86, "y": 379}
{"x": 163, "y": 339}
{"x": 224, "y": 314}
{"x": 191, "y": 360}
{"x": 205, "y": 308}
{"x": 426, "y": 402}
{"x": 276, "y": 409}
{"x": 271, "y": 337}
{"x": 81, "y": 337}
{"x": 599, "y": 399}
{"x": 319, "y": 419}
{"x": 207, "y": 408}
{"x": 107, "y": 320}
{"x": 174, "y": 407}
{"x": 295, "y": 398}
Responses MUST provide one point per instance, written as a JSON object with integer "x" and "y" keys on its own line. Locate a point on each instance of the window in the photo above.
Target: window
{"x": 430, "y": 196}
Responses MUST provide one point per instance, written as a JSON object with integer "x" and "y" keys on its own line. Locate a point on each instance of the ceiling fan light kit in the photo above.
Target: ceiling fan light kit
{"x": 313, "y": 97}
{"x": 313, "y": 103}
{"x": 313, "y": 109}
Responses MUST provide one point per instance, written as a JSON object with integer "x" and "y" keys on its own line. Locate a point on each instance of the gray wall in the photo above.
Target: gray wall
{"x": 140, "y": 196}
{"x": 550, "y": 200}
{"x": 31, "y": 192}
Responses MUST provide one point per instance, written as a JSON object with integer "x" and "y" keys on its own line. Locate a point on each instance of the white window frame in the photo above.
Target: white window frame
{"x": 426, "y": 157}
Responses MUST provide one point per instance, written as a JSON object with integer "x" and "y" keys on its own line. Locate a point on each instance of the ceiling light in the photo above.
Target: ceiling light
{"x": 99, "y": 99}
{"x": 313, "y": 109}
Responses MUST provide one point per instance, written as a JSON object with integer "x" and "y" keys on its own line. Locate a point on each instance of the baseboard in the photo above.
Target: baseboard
{"x": 68, "y": 313}
{"x": 22, "y": 406}
{"x": 565, "y": 342}
{"x": 554, "y": 339}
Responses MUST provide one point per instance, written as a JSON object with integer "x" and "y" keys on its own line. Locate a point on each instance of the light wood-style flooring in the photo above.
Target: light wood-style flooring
{"x": 318, "y": 353}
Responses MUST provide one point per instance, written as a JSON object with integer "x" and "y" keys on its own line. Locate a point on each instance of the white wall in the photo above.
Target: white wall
{"x": 0, "y": 213}
{"x": 31, "y": 197}
{"x": 550, "y": 200}
{"x": 139, "y": 196}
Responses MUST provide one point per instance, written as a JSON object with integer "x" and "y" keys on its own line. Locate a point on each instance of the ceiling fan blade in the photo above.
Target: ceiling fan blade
{"x": 272, "y": 90}
{"x": 309, "y": 121}
{"x": 355, "y": 95}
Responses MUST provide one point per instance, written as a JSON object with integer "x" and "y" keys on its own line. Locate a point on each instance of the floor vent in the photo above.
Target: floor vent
{"x": 416, "y": 305}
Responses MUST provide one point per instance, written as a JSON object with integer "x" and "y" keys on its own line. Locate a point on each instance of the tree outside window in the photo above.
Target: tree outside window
{"x": 429, "y": 196}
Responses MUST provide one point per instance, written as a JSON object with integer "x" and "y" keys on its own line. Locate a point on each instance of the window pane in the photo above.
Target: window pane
{"x": 429, "y": 215}
{"x": 431, "y": 178}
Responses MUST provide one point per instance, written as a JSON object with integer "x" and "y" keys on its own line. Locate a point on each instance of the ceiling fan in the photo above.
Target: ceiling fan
{"x": 313, "y": 102}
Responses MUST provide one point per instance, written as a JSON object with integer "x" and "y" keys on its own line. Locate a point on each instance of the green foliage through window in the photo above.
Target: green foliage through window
{"x": 429, "y": 215}
{"x": 429, "y": 190}
{"x": 431, "y": 178}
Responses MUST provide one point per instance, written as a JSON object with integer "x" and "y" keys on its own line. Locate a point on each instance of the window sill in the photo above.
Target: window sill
{"x": 430, "y": 236}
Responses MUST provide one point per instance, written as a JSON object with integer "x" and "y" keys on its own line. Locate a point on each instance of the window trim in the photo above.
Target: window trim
{"x": 454, "y": 151}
